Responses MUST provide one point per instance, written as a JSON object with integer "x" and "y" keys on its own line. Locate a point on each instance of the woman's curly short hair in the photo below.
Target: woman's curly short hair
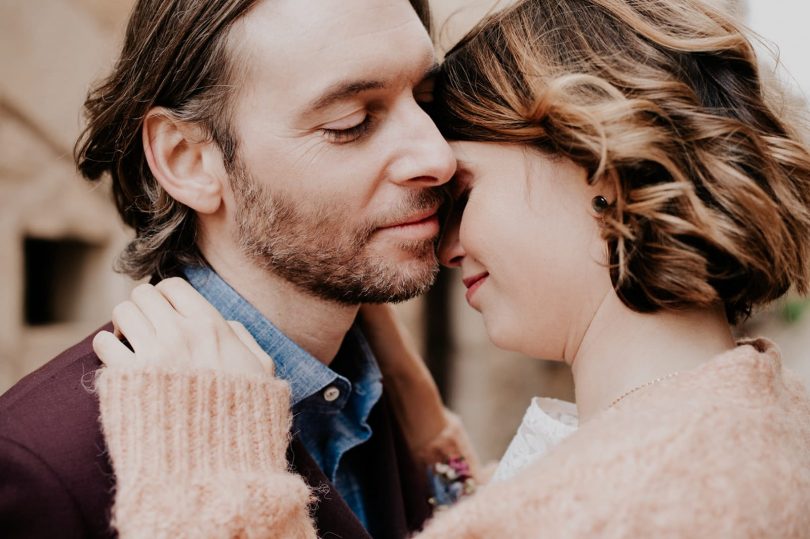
{"x": 662, "y": 101}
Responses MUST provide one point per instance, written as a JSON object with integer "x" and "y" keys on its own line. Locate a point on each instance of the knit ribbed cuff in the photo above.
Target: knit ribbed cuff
{"x": 196, "y": 422}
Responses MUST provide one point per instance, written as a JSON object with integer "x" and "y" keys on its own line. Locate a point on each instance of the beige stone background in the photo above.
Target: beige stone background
{"x": 59, "y": 235}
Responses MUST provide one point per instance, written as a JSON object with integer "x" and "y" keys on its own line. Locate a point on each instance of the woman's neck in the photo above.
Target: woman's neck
{"x": 622, "y": 350}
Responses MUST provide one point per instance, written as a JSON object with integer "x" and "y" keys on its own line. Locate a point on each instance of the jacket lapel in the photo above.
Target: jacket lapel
{"x": 397, "y": 500}
{"x": 395, "y": 487}
{"x": 333, "y": 517}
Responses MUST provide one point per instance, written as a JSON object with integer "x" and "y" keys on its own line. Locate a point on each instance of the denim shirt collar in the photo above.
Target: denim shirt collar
{"x": 305, "y": 374}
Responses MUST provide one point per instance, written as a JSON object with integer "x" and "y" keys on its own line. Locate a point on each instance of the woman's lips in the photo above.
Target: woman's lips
{"x": 474, "y": 283}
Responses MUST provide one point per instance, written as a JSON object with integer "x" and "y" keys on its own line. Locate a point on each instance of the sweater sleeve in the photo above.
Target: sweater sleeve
{"x": 201, "y": 454}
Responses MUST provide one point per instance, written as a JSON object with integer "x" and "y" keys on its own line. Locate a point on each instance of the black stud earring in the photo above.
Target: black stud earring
{"x": 599, "y": 204}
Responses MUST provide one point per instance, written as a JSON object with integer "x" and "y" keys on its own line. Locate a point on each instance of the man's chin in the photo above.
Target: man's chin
{"x": 381, "y": 272}
{"x": 409, "y": 262}
{"x": 397, "y": 281}
{"x": 411, "y": 253}
{"x": 415, "y": 276}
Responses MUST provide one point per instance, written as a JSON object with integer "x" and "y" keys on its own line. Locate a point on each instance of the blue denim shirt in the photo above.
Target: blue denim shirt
{"x": 330, "y": 409}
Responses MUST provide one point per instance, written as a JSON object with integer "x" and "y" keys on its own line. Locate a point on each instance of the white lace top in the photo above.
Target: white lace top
{"x": 546, "y": 423}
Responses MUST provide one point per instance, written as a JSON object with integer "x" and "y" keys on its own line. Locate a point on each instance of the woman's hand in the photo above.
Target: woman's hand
{"x": 172, "y": 325}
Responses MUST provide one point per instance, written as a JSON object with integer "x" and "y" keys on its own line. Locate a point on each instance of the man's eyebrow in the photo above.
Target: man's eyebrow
{"x": 344, "y": 90}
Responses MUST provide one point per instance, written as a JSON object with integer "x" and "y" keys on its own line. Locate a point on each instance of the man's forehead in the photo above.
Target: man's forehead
{"x": 314, "y": 45}
{"x": 286, "y": 29}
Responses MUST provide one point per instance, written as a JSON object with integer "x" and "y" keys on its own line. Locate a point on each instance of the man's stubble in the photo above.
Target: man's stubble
{"x": 314, "y": 247}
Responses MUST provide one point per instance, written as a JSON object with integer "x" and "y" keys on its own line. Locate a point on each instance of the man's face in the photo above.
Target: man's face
{"x": 335, "y": 184}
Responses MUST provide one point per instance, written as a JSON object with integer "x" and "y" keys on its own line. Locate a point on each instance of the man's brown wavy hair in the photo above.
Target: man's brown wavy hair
{"x": 175, "y": 55}
{"x": 661, "y": 100}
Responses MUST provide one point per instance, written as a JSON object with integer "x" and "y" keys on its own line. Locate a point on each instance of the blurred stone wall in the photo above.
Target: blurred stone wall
{"x": 58, "y": 235}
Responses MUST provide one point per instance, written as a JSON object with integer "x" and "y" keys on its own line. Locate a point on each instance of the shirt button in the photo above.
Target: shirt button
{"x": 331, "y": 394}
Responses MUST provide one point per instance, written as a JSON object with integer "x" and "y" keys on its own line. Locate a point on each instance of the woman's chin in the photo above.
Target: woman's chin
{"x": 503, "y": 335}
{"x": 523, "y": 340}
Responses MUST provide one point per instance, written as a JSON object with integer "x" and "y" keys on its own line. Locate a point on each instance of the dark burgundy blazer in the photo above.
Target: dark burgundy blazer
{"x": 56, "y": 479}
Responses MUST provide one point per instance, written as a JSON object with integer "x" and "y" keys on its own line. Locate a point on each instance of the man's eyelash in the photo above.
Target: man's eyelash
{"x": 344, "y": 136}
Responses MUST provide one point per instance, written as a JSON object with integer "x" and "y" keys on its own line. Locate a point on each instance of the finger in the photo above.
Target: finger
{"x": 185, "y": 299}
{"x": 111, "y": 351}
{"x": 154, "y": 306}
{"x": 247, "y": 339}
{"x": 134, "y": 327}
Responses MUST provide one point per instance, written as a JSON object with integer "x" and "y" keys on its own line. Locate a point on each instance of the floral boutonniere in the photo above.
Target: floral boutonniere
{"x": 451, "y": 480}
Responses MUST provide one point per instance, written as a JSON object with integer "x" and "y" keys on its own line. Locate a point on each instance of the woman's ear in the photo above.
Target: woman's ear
{"x": 183, "y": 161}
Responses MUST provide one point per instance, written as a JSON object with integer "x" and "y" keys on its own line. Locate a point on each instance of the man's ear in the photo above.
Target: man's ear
{"x": 187, "y": 165}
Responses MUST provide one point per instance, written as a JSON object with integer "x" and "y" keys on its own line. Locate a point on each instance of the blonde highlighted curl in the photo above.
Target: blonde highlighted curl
{"x": 661, "y": 100}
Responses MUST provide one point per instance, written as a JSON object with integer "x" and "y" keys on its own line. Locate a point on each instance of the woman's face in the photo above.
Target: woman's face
{"x": 527, "y": 241}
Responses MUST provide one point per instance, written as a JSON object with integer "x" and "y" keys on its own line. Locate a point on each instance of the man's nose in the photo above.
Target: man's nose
{"x": 425, "y": 158}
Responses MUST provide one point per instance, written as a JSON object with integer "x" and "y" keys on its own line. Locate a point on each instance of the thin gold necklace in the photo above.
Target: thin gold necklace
{"x": 642, "y": 386}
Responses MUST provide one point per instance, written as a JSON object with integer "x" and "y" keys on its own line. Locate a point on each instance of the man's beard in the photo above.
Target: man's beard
{"x": 317, "y": 250}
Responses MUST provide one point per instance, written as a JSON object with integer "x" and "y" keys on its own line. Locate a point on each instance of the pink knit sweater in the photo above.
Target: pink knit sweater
{"x": 719, "y": 451}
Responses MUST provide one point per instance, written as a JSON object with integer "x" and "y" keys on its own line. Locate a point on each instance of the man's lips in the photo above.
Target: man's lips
{"x": 415, "y": 219}
{"x": 420, "y": 226}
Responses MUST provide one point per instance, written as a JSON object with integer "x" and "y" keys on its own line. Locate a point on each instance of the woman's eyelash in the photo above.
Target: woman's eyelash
{"x": 344, "y": 136}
